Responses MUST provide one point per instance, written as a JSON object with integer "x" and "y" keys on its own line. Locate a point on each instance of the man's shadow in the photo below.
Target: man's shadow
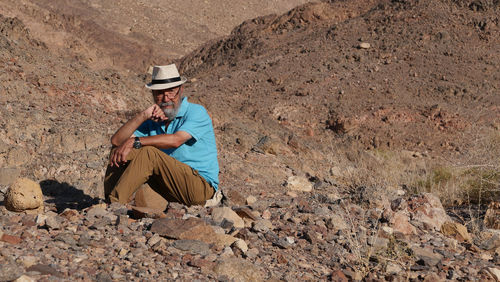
{"x": 64, "y": 195}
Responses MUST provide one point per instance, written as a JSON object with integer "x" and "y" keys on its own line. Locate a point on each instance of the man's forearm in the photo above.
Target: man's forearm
{"x": 127, "y": 129}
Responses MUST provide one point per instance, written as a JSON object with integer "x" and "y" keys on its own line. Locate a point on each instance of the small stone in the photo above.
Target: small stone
{"x": 266, "y": 214}
{"x": 24, "y": 194}
{"x": 227, "y": 252}
{"x": 401, "y": 224}
{"x": 24, "y": 278}
{"x": 495, "y": 273}
{"x": 241, "y": 245}
{"x": 301, "y": 184}
{"x": 154, "y": 240}
{"x": 364, "y": 45}
{"x": 10, "y": 271}
{"x": 251, "y": 200}
{"x": 393, "y": 268}
{"x": 44, "y": 269}
{"x": 262, "y": 225}
{"x": 11, "y": 239}
{"x": 40, "y": 219}
{"x": 192, "y": 246}
{"x": 426, "y": 256}
{"x": 386, "y": 231}
{"x": 27, "y": 261}
{"x": 491, "y": 239}
{"x": 219, "y": 214}
{"x": 456, "y": 231}
{"x": 53, "y": 221}
{"x": 245, "y": 212}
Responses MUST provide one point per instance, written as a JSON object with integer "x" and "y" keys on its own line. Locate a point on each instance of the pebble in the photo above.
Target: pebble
{"x": 364, "y": 45}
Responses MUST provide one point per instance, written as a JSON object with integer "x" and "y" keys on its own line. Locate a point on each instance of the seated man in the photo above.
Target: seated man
{"x": 170, "y": 145}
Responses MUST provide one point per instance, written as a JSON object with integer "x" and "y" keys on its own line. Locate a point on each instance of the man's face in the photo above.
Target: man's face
{"x": 168, "y": 100}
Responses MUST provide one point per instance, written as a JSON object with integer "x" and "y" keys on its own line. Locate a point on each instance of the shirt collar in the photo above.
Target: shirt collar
{"x": 183, "y": 109}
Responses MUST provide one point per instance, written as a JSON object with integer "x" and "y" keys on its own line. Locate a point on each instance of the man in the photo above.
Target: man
{"x": 170, "y": 145}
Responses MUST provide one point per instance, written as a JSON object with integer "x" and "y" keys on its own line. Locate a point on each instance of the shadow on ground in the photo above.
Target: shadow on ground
{"x": 64, "y": 195}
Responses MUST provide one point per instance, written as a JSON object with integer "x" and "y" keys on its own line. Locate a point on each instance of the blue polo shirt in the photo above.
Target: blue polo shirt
{"x": 199, "y": 152}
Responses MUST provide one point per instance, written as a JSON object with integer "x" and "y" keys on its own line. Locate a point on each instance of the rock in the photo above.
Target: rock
{"x": 10, "y": 271}
{"x": 392, "y": 268}
{"x": 401, "y": 224}
{"x": 240, "y": 245}
{"x": 10, "y": 239}
{"x": 24, "y": 278}
{"x": 492, "y": 216}
{"x": 336, "y": 222}
{"x": 251, "y": 200}
{"x": 147, "y": 197}
{"x": 386, "y": 231}
{"x": 27, "y": 261}
{"x": 219, "y": 214}
{"x": 8, "y": 175}
{"x": 236, "y": 269}
{"x": 154, "y": 240}
{"x": 338, "y": 276}
{"x": 297, "y": 183}
{"x": 192, "y": 246}
{"x": 494, "y": 272}
{"x": 378, "y": 243}
{"x": 456, "y": 231}
{"x": 53, "y": 221}
{"x": 189, "y": 229}
{"x": 245, "y": 212}
{"x": 45, "y": 270}
{"x": 426, "y": 256}
{"x": 221, "y": 240}
{"x": 24, "y": 194}
{"x": 490, "y": 239}
{"x": 364, "y": 45}
{"x": 262, "y": 225}
{"x": 428, "y": 210}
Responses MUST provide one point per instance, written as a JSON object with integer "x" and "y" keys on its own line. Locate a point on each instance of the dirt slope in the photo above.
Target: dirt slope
{"x": 133, "y": 34}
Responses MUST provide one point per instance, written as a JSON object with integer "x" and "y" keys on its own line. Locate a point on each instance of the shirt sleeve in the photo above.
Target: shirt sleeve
{"x": 197, "y": 122}
{"x": 143, "y": 130}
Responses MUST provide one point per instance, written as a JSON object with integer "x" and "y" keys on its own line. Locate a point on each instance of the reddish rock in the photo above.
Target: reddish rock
{"x": 338, "y": 276}
{"x": 427, "y": 209}
{"x": 401, "y": 223}
{"x": 11, "y": 239}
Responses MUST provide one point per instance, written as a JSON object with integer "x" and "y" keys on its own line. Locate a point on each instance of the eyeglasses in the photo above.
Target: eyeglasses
{"x": 170, "y": 93}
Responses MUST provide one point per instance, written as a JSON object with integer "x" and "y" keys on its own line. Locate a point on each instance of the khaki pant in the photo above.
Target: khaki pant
{"x": 173, "y": 180}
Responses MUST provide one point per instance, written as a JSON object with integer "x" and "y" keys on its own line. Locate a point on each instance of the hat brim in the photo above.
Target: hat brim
{"x": 166, "y": 85}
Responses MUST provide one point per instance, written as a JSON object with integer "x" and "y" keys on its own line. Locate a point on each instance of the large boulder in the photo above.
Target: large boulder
{"x": 24, "y": 194}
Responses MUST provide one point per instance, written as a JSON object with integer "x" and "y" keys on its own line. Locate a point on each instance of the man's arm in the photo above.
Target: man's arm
{"x": 154, "y": 113}
{"x": 162, "y": 141}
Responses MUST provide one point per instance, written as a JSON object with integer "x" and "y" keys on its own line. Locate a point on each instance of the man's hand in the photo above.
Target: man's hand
{"x": 154, "y": 113}
{"x": 119, "y": 155}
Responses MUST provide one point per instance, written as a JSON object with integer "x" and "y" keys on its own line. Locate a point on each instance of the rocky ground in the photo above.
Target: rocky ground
{"x": 332, "y": 120}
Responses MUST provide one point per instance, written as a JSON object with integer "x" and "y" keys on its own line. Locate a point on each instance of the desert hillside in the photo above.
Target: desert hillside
{"x": 358, "y": 140}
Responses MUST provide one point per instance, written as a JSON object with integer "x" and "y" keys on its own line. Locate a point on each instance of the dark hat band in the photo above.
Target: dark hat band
{"x": 163, "y": 81}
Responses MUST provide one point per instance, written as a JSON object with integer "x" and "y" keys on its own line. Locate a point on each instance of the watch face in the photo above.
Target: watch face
{"x": 137, "y": 144}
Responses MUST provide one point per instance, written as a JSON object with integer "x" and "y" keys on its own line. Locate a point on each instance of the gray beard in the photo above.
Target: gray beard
{"x": 170, "y": 113}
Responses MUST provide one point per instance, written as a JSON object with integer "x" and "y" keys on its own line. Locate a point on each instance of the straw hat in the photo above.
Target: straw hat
{"x": 164, "y": 77}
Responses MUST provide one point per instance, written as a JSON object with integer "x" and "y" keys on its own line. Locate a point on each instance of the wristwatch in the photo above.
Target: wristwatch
{"x": 137, "y": 143}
